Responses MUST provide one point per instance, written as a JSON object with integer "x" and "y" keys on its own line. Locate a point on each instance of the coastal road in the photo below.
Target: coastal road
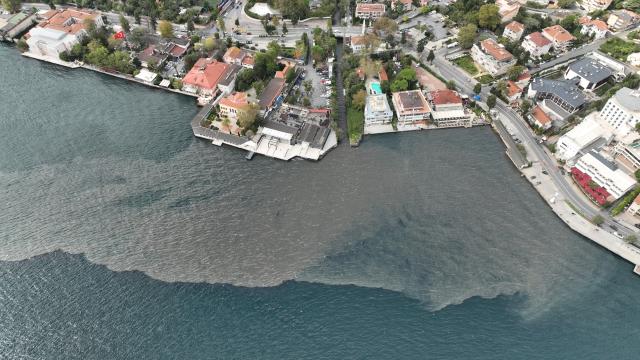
{"x": 536, "y": 152}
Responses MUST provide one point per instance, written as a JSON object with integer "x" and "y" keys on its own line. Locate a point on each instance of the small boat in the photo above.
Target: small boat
{"x": 637, "y": 269}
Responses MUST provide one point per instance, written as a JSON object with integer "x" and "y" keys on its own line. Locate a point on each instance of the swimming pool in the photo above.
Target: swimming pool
{"x": 375, "y": 88}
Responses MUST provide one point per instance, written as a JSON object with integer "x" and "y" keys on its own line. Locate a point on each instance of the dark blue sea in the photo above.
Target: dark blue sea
{"x": 124, "y": 237}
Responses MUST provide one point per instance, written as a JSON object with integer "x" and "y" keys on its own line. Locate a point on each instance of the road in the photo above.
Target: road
{"x": 536, "y": 153}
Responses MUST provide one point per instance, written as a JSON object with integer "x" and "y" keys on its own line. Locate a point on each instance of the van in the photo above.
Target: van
{"x": 452, "y": 45}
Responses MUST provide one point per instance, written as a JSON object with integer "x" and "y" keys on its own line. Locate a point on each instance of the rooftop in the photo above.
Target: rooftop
{"x": 565, "y": 90}
{"x": 515, "y": 26}
{"x": 377, "y": 103}
{"x": 443, "y": 97}
{"x": 591, "y": 69}
{"x": 68, "y": 20}
{"x": 411, "y": 100}
{"x": 206, "y": 73}
{"x": 558, "y": 34}
{"x": 628, "y": 98}
{"x": 236, "y": 100}
{"x": 271, "y": 92}
{"x": 495, "y": 50}
{"x": 364, "y": 7}
{"x": 540, "y": 115}
{"x": 538, "y": 39}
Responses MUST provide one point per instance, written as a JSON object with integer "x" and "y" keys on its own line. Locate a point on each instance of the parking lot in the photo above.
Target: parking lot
{"x": 319, "y": 90}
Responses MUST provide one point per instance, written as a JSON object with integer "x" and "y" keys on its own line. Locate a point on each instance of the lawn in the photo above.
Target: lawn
{"x": 467, "y": 64}
{"x": 355, "y": 125}
{"x": 485, "y": 79}
{"x": 619, "y": 48}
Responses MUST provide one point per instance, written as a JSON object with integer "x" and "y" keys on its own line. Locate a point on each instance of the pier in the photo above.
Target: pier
{"x": 512, "y": 148}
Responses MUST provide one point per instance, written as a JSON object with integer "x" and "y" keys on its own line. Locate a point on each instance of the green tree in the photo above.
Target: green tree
{"x": 451, "y": 85}
{"x": 12, "y": 6}
{"x": 630, "y": 239}
{"x": 308, "y": 86}
{"x": 515, "y": 71}
{"x": 525, "y": 106}
{"x": 420, "y": 47}
{"x": 359, "y": 99}
{"x": 399, "y": 85}
{"x": 431, "y": 56}
{"x": 22, "y": 45}
{"x": 237, "y": 22}
{"x": 190, "y": 26}
{"x": 209, "y": 44}
{"x": 124, "y": 23}
{"x": 166, "y": 29}
{"x": 597, "y": 220}
{"x": 467, "y": 35}
{"x": 491, "y": 101}
{"x": 284, "y": 28}
{"x": 489, "y": 16}
{"x": 477, "y": 88}
{"x": 248, "y": 116}
{"x": 566, "y": 4}
{"x": 221, "y": 25}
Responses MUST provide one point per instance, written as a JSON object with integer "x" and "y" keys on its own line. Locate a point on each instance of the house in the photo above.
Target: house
{"x": 411, "y": 106}
{"x": 492, "y": 56}
{"x": 620, "y": 20}
{"x": 357, "y": 43}
{"x": 447, "y": 108}
{"x": 269, "y": 97}
{"x": 237, "y": 56}
{"x": 513, "y": 31}
{"x": 540, "y": 119}
{"x": 153, "y": 56}
{"x": 508, "y": 9}
{"x": 377, "y": 110}
{"x": 559, "y": 98}
{"x": 370, "y": 11}
{"x": 605, "y": 174}
{"x": 232, "y": 105}
{"x": 583, "y": 136}
{"x": 205, "y": 76}
{"x": 523, "y": 79}
{"x": 513, "y": 91}
{"x": 590, "y": 72}
{"x": 634, "y": 207}
{"x": 622, "y": 111}
{"x": 560, "y": 38}
{"x": 596, "y": 28}
{"x": 595, "y": 5}
{"x": 403, "y": 5}
{"x": 14, "y": 25}
{"x": 60, "y": 30}
{"x": 536, "y": 44}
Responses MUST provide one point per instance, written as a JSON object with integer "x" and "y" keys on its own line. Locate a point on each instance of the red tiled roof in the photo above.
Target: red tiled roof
{"x": 205, "y": 73}
{"x": 236, "y": 100}
{"x": 515, "y": 26}
{"x": 538, "y": 39}
{"x": 558, "y": 33}
{"x": 362, "y": 7}
{"x": 382, "y": 75}
{"x": 68, "y": 20}
{"x": 540, "y": 115}
{"x": 513, "y": 89}
{"x": 441, "y": 97}
{"x": 498, "y": 52}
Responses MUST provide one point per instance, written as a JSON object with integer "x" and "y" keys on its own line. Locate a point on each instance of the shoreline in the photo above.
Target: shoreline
{"x": 562, "y": 207}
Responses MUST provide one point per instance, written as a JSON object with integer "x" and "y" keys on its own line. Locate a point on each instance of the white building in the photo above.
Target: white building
{"x": 590, "y": 73}
{"x": 581, "y": 137}
{"x": 513, "y": 31}
{"x": 559, "y": 37}
{"x": 594, "y": 5}
{"x": 622, "y": 111}
{"x": 377, "y": 110}
{"x": 60, "y": 31}
{"x": 492, "y": 56}
{"x": 411, "y": 106}
{"x": 448, "y": 109}
{"x": 597, "y": 28}
{"x": 536, "y": 44}
{"x": 634, "y": 59}
{"x": 370, "y": 11}
{"x": 605, "y": 173}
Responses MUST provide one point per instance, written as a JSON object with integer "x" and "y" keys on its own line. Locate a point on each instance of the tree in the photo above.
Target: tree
{"x": 451, "y": 85}
{"x": 491, "y": 101}
{"x": 124, "y": 23}
{"x": 221, "y": 24}
{"x": 166, "y": 29}
{"x": 209, "y": 44}
{"x": 566, "y": 4}
{"x": 630, "y": 239}
{"x": 190, "y": 26}
{"x": 420, "y": 47}
{"x": 284, "y": 28}
{"x": 597, "y": 220}
{"x": 237, "y": 22}
{"x": 515, "y": 71}
{"x": 385, "y": 25}
{"x": 525, "y": 106}
{"x": 489, "y": 16}
{"x": 22, "y": 45}
{"x": 359, "y": 99}
{"x": 467, "y": 35}
{"x": 138, "y": 38}
{"x": 247, "y": 117}
{"x": 12, "y": 6}
{"x": 399, "y": 85}
{"x": 308, "y": 86}
{"x": 477, "y": 88}
{"x": 431, "y": 56}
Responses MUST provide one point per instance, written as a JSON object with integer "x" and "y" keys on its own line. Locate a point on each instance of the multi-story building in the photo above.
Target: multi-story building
{"x": 594, "y": 5}
{"x": 583, "y": 136}
{"x": 357, "y": 43}
{"x": 209, "y": 76}
{"x": 589, "y": 72}
{"x": 536, "y": 44}
{"x": 16, "y": 24}
{"x": 622, "y": 111}
{"x": 513, "y": 31}
{"x": 634, "y": 207}
{"x": 559, "y": 37}
{"x": 620, "y": 20}
{"x": 605, "y": 173}
{"x": 237, "y": 56}
{"x": 559, "y": 98}
{"x": 628, "y": 156}
{"x": 508, "y": 9}
{"x": 411, "y": 107}
{"x": 233, "y": 105}
{"x": 492, "y": 56}
{"x": 377, "y": 110}
{"x": 448, "y": 109}
{"x": 60, "y": 30}
{"x": 595, "y": 27}
{"x": 370, "y": 11}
